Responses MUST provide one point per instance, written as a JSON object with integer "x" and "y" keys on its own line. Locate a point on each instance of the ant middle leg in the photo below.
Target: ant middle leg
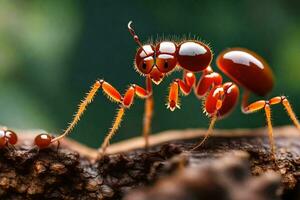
{"x": 218, "y": 104}
{"x": 208, "y": 80}
{"x": 185, "y": 85}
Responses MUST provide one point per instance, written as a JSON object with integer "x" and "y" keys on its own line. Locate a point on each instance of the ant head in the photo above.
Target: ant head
{"x": 154, "y": 62}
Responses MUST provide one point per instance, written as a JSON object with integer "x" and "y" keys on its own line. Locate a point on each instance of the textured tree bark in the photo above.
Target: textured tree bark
{"x": 73, "y": 172}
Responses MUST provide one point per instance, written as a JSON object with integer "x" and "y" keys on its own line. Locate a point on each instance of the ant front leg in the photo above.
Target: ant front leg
{"x": 147, "y": 120}
{"x": 266, "y": 105}
{"x": 81, "y": 108}
{"x": 112, "y": 94}
{"x": 125, "y": 102}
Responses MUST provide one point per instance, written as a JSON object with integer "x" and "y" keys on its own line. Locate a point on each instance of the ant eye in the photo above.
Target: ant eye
{"x": 144, "y": 59}
{"x": 166, "y": 62}
{"x": 144, "y": 66}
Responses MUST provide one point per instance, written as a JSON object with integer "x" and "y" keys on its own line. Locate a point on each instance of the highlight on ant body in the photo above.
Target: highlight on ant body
{"x": 154, "y": 61}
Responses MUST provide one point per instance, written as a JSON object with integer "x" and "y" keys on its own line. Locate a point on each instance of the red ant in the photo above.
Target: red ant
{"x": 7, "y": 137}
{"x": 244, "y": 67}
{"x": 43, "y": 140}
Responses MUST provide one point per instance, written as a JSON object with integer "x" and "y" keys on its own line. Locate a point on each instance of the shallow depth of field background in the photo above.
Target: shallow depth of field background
{"x": 52, "y": 51}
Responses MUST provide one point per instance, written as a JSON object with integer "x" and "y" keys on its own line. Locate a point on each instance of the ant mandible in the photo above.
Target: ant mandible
{"x": 243, "y": 66}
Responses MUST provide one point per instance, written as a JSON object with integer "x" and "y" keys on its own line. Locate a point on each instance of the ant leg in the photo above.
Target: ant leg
{"x": 58, "y": 146}
{"x": 173, "y": 100}
{"x": 290, "y": 112}
{"x": 185, "y": 87}
{"x": 213, "y": 104}
{"x": 147, "y": 120}
{"x": 81, "y": 108}
{"x": 208, "y": 80}
{"x": 266, "y": 105}
{"x": 114, "y": 128}
{"x": 111, "y": 93}
{"x": 256, "y": 106}
{"x": 270, "y": 129}
{"x": 219, "y": 103}
{"x": 126, "y": 102}
{"x": 148, "y": 113}
{"x": 208, "y": 132}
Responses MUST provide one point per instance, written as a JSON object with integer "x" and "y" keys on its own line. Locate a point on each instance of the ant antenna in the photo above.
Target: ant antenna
{"x": 135, "y": 36}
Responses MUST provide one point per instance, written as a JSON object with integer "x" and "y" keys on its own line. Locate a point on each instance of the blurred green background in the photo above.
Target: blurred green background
{"x": 52, "y": 51}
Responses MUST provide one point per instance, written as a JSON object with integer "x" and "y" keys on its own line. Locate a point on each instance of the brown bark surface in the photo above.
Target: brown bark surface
{"x": 73, "y": 173}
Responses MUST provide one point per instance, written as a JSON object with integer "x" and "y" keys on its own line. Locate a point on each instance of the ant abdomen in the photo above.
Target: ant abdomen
{"x": 247, "y": 69}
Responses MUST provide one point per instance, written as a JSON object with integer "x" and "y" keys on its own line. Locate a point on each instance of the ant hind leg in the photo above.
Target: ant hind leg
{"x": 266, "y": 105}
{"x": 290, "y": 112}
{"x": 270, "y": 130}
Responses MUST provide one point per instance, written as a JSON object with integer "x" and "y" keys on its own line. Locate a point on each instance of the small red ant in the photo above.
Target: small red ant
{"x": 43, "y": 140}
{"x": 155, "y": 61}
{"x": 7, "y": 137}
